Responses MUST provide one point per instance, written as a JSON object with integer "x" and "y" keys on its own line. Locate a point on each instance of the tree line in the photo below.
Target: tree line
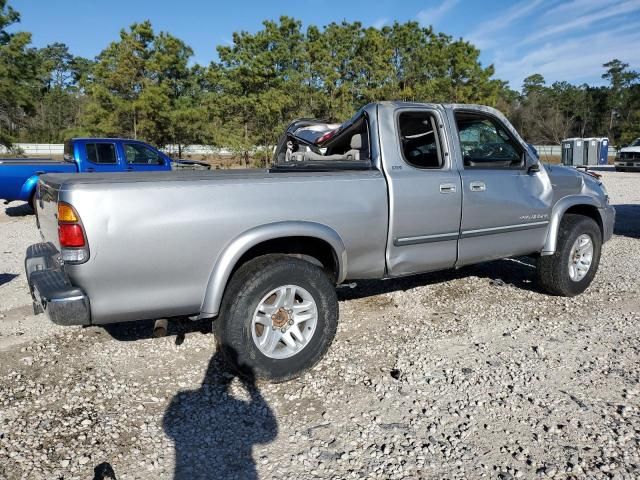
{"x": 144, "y": 85}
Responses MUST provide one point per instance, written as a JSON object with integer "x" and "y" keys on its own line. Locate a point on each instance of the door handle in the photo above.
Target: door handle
{"x": 477, "y": 186}
{"x": 447, "y": 188}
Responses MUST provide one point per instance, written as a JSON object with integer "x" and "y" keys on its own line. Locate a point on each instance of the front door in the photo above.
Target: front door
{"x": 424, "y": 194}
{"x": 505, "y": 208}
{"x": 141, "y": 158}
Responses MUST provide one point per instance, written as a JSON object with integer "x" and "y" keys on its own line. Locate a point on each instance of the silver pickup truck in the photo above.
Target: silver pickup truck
{"x": 399, "y": 189}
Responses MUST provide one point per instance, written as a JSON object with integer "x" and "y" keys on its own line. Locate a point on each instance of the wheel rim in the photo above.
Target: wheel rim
{"x": 284, "y": 321}
{"x": 580, "y": 257}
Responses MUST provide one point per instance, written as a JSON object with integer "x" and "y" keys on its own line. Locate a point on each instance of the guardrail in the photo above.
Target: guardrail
{"x": 51, "y": 149}
{"x": 35, "y": 149}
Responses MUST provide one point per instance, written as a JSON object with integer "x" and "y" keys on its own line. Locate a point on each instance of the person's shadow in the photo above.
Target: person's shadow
{"x": 214, "y": 431}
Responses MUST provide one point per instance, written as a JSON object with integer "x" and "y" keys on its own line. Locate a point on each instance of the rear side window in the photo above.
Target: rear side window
{"x": 485, "y": 143}
{"x": 419, "y": 140}
{"x": 102, "y": 153}
{"x": 141, "y": 154}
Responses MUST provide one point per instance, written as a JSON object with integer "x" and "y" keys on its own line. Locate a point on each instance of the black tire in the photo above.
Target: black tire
{"x": 32, "y": 202}
{"x": 553, "y": 270}
{"x": 248, "y": 286}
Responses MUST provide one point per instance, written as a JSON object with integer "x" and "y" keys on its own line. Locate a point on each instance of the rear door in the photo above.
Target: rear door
{"x": 99, "y": 156}
{"x": 505, "y": 209}
{"x": 424, "y": 192}
{"x": 140, "y": 157}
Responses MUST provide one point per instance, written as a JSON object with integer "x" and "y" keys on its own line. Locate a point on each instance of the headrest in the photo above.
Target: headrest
{"x": 356, "y": 142}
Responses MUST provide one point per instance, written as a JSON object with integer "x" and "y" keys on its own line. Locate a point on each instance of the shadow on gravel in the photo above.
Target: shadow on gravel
{"x": 627, "y": 220}
{"x": 519, "y": 272}
{"x": 7, "y": 277}
{"x": 143, "y": 329}
{"x": 21, "y": 210}
{"x": 214, "y": 430}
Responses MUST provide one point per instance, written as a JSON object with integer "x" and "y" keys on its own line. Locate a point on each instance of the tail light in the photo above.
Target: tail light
{"x": 73, "y": 243}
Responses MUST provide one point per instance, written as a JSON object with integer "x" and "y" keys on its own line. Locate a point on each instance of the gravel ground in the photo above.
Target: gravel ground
{"x": 464, "y": 374}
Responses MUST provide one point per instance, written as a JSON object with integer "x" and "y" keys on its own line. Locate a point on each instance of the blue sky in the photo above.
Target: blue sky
{"x": 561, "y": 39}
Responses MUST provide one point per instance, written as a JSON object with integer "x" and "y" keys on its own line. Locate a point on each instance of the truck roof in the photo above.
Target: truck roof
{"x": 120, "y": 139}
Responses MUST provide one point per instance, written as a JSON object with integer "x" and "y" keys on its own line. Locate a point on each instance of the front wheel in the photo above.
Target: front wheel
{"x": 278, "y": 317}
{"x": 571, "y": 269}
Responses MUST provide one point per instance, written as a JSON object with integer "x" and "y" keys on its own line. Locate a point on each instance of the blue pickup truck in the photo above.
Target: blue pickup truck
{"x": 19, "y": 177}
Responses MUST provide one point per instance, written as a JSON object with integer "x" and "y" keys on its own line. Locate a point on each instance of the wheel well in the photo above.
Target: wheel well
{"x": 310, "y": 249}
{"x": 587, "y": 211}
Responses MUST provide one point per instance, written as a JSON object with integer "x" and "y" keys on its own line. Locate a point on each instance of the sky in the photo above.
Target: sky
{"x": 564, "y": 40}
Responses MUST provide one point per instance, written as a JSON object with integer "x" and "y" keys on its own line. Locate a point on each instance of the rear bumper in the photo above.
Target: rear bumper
{"x": 608, "y": 215}
{"x": 627, "y": 165}
{"x": 51, "y": 289}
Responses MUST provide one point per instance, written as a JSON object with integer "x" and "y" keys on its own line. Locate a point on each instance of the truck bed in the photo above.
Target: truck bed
{"x": 32, "y": 161}
{"x": 168, "y": 229}
{"x": 18, "y": 176}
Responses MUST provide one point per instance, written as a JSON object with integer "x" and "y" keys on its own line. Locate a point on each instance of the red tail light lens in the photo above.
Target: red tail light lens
{"x": 73, "y": 244}
{"x": 70, "y": 235}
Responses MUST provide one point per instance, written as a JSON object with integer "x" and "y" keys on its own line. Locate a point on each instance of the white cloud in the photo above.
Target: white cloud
{"x": 582, "y": 21}
{"x": 576, "y": 60}
{"x": 484, "y": 35}
{"x": 576, "y": 6}
{"x": 431, "y": 16}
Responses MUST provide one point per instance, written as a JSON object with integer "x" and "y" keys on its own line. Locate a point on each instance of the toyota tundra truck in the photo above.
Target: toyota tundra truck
{"x": 399, "y": 189}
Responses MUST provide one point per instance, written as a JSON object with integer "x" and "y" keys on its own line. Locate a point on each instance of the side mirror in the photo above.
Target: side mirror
{"x": 533, "y": 168}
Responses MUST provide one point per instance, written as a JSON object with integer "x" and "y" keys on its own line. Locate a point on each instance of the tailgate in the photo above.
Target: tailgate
{"x": 47, "y": 210}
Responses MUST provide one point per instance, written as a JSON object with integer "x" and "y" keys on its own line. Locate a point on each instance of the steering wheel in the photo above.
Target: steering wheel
{"x": 492, "y": 150}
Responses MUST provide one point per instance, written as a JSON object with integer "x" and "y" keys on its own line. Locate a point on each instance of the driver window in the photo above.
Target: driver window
{"x": 139, "y": 154}
{"x": 486, "y": 144}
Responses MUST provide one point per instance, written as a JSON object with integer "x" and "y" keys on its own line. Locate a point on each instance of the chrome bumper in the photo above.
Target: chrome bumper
{"x": 51, "y": 289}
{"x": 627, "y": 164}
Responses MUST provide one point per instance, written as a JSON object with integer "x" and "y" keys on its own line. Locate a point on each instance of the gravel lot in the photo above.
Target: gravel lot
{"x": 463, "y": 374}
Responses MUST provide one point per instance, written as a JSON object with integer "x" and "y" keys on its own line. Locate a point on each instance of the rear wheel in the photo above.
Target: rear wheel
{"x": 278, "y": 317}
{"x": 571, "y": 269}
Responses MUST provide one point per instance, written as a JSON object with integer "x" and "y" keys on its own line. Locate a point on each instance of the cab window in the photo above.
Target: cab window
{"x": 136, "y": 153}
{"x": 419, "y": 140}
{"x": 486, "y": 144}
{"x": 101, "y": 153}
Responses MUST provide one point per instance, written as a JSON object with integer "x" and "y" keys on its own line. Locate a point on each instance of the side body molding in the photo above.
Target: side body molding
{"x": 559, "y": 209}
{"x": 230, "y": 255}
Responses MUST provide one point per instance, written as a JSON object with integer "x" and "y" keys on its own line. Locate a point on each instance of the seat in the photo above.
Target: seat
{"x": 355, "y": 152}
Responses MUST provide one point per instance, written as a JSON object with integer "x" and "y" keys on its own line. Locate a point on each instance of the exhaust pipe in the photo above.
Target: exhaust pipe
{"x": 161, "y": 328}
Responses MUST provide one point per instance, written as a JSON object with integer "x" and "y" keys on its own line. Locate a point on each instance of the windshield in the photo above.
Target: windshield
{"x": 635, "y": 143}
